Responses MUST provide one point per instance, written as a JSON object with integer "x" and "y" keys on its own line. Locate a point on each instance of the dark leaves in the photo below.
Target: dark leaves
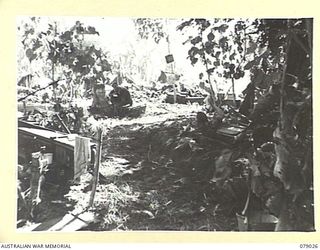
{"x": 208, "y": 47}
{"x": 210, "y": 71}
{"x": 217, "y": 54}
{"x": 184, "y": 24}
{"x": 250, "y": 64}
{"x": 29, "y": 31}
{"x": 222, "y": 28}
{"x": 226, "y": 74}
{"x": 252, "y": 48}
{"x": 194, "y": 60}
{"x": 257, "y": 60}
{"x": 30, "y": 54}
{"x": 223, "y": 43}
{"x": 203, "y": 23}
{"x": 196, "y": 40}
{"x": 222, "y": 166}
{"x": 216, "y": 63}
{"x": 37, "y": 44}
{"x": 150, "y": 28}
{"x": 226, "y": 65}
{"x": 237, "y": 75}
{"x": 91, "y": 30}
{"x": 193, "y": 51}
{"x": 80, "y": 29}
{"x": 257, "y": 77}
{"x": 66, "y": 36}
{"x": 231, "y": 68}
{"x": 274, "y": 203}
{"x": 286, "y": 168}
{"x": 105, "y": 65}
{"x": 232, "y": 56}
{"x": 210, "y": 36}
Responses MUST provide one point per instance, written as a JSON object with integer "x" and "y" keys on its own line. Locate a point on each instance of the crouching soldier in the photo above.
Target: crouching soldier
{"x": 101, "y": 105}
{"x": 121, "y": 99}
{"x": 210, "y": 128}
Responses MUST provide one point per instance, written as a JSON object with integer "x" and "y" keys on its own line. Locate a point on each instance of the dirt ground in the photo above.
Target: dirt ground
{"x": 151, "y": 180}
{"x": 150, "y": 186}
{"x": 168, "y": 196}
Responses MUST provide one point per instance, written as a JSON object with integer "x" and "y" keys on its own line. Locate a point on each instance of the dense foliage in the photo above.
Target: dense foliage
{"x": 65, "y": 54}
{"x": 278, "y": 54}
{"x": 272, "y": 159}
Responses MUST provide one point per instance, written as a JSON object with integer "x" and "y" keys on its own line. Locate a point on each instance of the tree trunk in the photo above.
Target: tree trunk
{"x": 95, "y": 179}
{"x": 233, "y": 93}
{"x": 285, "y": 222}
{"x": 171, "y": 67}
{"x": 286, "y": 168}
{"x": 247, "y": 104}
{"x": 212, "y": 94}
{"x": 52, "y": 66}
{"x": 53, "y": 87}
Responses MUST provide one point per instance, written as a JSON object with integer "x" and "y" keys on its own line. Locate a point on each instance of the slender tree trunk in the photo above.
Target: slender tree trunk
{"x": 171, "y": 67}
{"x": 309, "y": 28}
{"x": 282, "y": 152}
{"x": 52, "y": 66}
{"x": 95, "y": 179}
{"x": 212, "y": 94}
{"x": 233, "y": 93}
{"x": 286, "y": 169}
{"x": 283, "y": 82}
{"x": 53, "y": 87}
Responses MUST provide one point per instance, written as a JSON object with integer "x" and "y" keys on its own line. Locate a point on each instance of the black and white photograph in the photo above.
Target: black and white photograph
{"x": 164, "y": 124}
